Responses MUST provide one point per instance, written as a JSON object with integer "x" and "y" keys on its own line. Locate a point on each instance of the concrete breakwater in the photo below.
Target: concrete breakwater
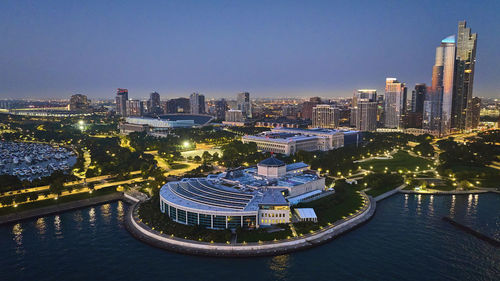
{"x": 144, "y": 233}
{"x": 58, "y": 208}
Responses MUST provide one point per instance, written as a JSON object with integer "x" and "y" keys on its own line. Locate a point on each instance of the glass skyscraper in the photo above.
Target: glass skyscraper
{"x": 462, "y": 118}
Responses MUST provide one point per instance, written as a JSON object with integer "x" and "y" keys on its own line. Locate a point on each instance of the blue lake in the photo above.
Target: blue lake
{"x": 405, "y": 240}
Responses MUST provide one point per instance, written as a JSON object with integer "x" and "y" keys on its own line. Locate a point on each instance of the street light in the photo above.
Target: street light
{"x": 186, "y": 144}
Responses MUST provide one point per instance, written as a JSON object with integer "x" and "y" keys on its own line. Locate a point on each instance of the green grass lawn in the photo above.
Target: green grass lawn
{"x": 178, "y": 166}
{"x": 331, "y": 208}
{"x": 63, "y": 199}
{"x": 382, "y": 190}
{"x": 486, "y": 176}
{"x": 263, "y": 234}
{"x": 401, "y": 161}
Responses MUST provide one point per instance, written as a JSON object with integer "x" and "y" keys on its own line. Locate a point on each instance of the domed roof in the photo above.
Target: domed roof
{"x": 271, "y": 162}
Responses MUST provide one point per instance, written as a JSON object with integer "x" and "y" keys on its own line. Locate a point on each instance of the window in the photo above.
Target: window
{"x": 206, "y": 220}
{"x": 192, "y": 218}
{"x": 219, "y": 221}
{"x": 173, "y": 213}
{"x": 181, "y": 215}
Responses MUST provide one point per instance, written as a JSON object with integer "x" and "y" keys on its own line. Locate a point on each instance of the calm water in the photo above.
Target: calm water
{"x": 406, "y": 240}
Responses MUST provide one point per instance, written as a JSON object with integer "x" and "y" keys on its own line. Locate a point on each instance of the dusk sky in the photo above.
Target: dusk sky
{"x": 218, "y": 48}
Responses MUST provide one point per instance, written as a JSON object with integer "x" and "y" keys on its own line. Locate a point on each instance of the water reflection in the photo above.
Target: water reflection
{"x": 41, "y": 226}
{"x": 452, "y": 208}
{"x": 17, "y": 230}
{"x": 419, "y": 204}
{"x": 92, "y": 216}
{"x": 106, "y": 212}
{"x": 121, "y": 211}
{"x": 431, "y": 206}
{"x": 469, "y": 203}
{"x": 58, "y": 226}
{"x": 406, "y": 201}
{"x": 78, "y": 218}
{"x": 279, "y": 265}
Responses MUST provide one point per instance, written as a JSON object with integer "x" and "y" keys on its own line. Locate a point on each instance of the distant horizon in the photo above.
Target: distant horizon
{"x": 277, "y": 49}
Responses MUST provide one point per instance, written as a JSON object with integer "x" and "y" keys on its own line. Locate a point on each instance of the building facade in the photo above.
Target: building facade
{"x": 121, "y": 101}
{"x": 325, "y": 116}
{"x": 197, "y": 103}
{"x": 394, "y": 103}
{"x": 244, "y": 104}
{"x": 134, "y": 108}
{"x": 462, "y": 107}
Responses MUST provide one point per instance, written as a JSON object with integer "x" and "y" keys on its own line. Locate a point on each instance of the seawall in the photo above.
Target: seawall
{"x": 145, "y": 234}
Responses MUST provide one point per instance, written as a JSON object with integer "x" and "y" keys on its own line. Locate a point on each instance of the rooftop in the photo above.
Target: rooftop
{"x": 271, "y": 162}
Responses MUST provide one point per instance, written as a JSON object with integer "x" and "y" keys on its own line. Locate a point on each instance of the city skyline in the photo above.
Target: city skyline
{"x": 270, "y": 59}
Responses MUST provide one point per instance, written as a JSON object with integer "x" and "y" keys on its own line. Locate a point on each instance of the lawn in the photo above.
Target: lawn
{"x": 401, "y": 161}
{"x": 486, "y": 176}
{"x": 264, "y": 234}
{"x": 331, "y": 208}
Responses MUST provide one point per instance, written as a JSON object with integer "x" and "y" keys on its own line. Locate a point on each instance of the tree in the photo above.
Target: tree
{"x": 56, "y": 187}
{"x": 206, "y": 156}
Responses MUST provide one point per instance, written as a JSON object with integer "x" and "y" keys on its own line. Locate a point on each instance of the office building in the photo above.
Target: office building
{"x": 220, "y": 109}
{"x": 394, "y": 103}
{"x": 179, "y": 105}
{"x": 365, "y": 115}
{"x": 121, "y": 101}
{"x": 307, "y": 107}
{"x": 234, "y": 115}
{"x": 364, "y": 94}
{"x": 244, "y": 104}
{"x": 325, "y": 116}
{"x": 79, "y": 102}
{"x": 197, "y": 103}
{"x": 418, "y": 98}
{"x": 475, "y": 109}
{"x": 154, "y": 104}
{"x": 134, "y": 108}
{"x": 462, "y": 115}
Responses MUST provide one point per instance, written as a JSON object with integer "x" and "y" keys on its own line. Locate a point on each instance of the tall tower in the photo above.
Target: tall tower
{"x": 448, "y": 74}
{"x": 154, "y": 103}
{"x": 394, "y": 103}
{"x": 243, "y": 103}
{"x": 462, "y": 116}
{"x": 121, "y": 101}
{"x": 197, "y": 102}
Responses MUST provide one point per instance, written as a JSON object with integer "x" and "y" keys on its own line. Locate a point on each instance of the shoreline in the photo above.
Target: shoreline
{"x": 60, "y": 208}
{"x": 155, "y": 239}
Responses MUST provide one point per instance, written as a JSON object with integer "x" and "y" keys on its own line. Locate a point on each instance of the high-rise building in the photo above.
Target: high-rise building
{"x": 325, "y": 116}
{"x": 366, "y": 115}
{"x": 394, "y": 103}
{"x": 234, "y": 115}
{"x": 134, "y": 108}
{"x": 462, "y": 116}
{"x": 418, "y": 98}
{"x": 475, "y": 109}
{"x": 197, "y": 103}
{"x": 179, "y": 105}
{"x": 79, "y": 102}
{"x": 438, "y": 103}
{"x": 154, "y": 105}
{"x": 244, "y": 104}
{"x": 367, "y": 95}
{"x": 220, "y": 109}
{"x": 121, "y": 101}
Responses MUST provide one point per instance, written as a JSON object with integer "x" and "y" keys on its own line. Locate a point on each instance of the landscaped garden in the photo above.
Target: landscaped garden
{"x": 401, "y": 160}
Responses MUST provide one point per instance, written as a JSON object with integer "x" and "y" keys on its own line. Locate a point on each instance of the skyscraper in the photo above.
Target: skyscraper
{"x": 121, "y": 101}
{"x": 394, "y": 103}
{"x": 325, "y": 116}
{"x": 154, "y": 103}
{"x": 243, "y": 103}
{"x": 365, "y": 94}
{"x": 366, "y": 115}
{"x": 197, "y": 103}
{"x": 475, "y": 109}
{"x": 220, "y": 109}
{"x": 179, "y": 105}
{"x": 462, "y": 116}
{"x": 79, "y": 102}
{"x": 418, "y": 97}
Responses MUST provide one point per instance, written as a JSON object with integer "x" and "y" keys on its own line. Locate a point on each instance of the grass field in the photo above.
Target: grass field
{"x": 401, "y": 161}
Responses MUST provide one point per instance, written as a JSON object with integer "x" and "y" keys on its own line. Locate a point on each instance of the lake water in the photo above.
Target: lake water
{"x": 405, "y": 240}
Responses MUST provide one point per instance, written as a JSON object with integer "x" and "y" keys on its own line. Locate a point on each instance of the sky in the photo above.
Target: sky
{"x": 52, "y": 49}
